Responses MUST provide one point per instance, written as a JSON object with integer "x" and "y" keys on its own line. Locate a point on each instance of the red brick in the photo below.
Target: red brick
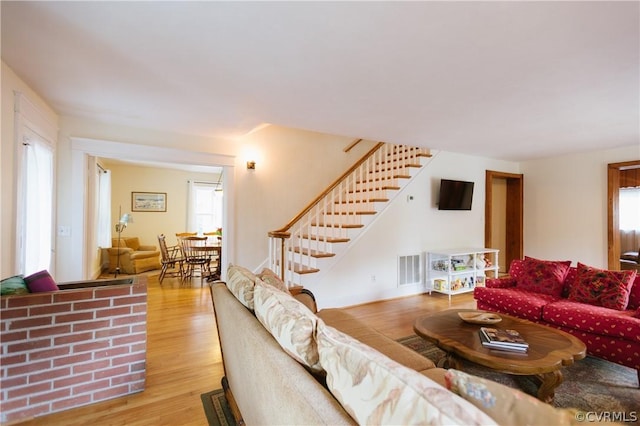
{"x": 112, "y": 352}
{"x": 49, "y": 331}
{"x": 30, "y": 323}
{"x": 129, "y": 359}
{"x": 91, "y": 326}
{"x": 140, "y": 347}
{"x": 130, "y": 319}
{"x": 14, "y": 313}
{"x": 72, "y": 381}
{"x": 26, "y": 413}
{"x": 73, "y": 295}
{"x": 113, "y": 291}
{"x": 50, "y": 396}
{"x": 50, "y": 309}
{"x": 139, "y": 309}
{"x": 14, "y": 403}
{"x": 76, "y": 401}
{"x": 139, "y": 366}
{"x": 49, "y": 353}
{"x": 30, "y": 300}
{"x": 129, "y": 339}
{"x": 28, "y": 390}
{"x": 112, "y": 332}
{"x": 90, "y": 387}
{"x": 49, "y": 375}
{"x": 14, "y": 382}
{"x": 74, "y": 317}
{"x": 3, "y": 303}
{"x": 91, "y": 366}
{"x": 29, "y": 346}
{"x": 72, "y": 359}
{"x": 90, "y": 346}
{"x": 8, "y": 359}
{"x": 132, "y": 300}
{"x": 111, "y": 372}
{"x": 139, "y": 289}
{"x": 111, "y": 393}
{"x": 29, "y": 368}
{"x": 73, "y": 338}
{"x": 111, "y": 312}
{"x": 13, "y": 336}
{"x": 128, "y": 378}
{"x": 137, "y": 387}
{"x": 92, "y": 305}
{"x": 139, "y": 328}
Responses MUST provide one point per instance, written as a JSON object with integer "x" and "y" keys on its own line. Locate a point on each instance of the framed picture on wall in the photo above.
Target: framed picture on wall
{"x": 149, "y": 201}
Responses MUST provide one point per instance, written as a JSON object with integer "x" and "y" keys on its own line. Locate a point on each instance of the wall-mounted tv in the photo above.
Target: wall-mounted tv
{"x": 455, "y": 195}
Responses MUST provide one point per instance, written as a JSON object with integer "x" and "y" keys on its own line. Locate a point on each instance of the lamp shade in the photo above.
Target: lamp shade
{"x": 126, "y": 218}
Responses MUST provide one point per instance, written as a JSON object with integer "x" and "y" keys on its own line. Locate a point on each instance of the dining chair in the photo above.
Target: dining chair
{"x": 171, "y": 257}
{"x": 196, "y": 256}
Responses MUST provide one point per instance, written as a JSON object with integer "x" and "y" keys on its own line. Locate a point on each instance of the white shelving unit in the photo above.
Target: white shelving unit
{"x": 459, "y": 271}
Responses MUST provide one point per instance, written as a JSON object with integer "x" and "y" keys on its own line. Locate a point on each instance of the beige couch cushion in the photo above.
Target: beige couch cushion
{"x": 506, "y": 405}
{"x": 374, "y": 389}
{"x": 355, "y": 328}
{"x": 291, "y": 323}
{"x": 241, "y": 282}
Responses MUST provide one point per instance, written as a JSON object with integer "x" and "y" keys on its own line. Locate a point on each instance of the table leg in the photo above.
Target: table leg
{"x": 549, "y": 383}
{"x": 449, "y": 360}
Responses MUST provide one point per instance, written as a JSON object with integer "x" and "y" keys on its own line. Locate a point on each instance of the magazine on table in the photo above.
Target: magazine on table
{"x": 505, "y": 339}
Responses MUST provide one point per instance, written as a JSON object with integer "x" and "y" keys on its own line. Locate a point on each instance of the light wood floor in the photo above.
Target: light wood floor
{"x": 183, "y": 355}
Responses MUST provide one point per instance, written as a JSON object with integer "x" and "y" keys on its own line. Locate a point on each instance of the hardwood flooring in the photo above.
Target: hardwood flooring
{"x": 184, "y": 361}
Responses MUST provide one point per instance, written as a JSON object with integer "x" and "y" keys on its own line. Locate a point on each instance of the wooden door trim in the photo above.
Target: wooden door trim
{"x": 613, "y": 195}
{"x": 515, "y": 212}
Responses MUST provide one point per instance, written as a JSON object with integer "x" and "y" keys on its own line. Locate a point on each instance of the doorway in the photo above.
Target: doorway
{"x": 503, "y": 226}
{"x": 613, "y": 212}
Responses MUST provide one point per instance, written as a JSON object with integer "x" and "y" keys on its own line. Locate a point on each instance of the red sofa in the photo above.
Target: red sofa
{"x": 539, "y": 291}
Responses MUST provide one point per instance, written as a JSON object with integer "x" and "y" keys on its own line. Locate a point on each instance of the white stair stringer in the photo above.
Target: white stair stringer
{"x": 321, "y": 236}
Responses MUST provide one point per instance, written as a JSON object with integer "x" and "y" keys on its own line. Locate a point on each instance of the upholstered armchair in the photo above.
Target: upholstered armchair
{"x": 134, "y": 257}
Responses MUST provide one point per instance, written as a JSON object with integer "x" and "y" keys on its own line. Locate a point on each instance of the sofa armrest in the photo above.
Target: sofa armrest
{"x": 121, "y": 250}
{"x": 307, "y": 298}
{"x": 147, "y": 248}
{"x": 503, "y": 282}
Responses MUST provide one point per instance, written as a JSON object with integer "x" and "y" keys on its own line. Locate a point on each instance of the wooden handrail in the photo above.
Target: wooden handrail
{"x": 352, "y": 144}
{"x": 282, "y": 232}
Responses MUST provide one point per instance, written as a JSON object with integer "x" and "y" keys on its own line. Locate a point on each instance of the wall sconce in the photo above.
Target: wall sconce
{"x": 251, "y": 165}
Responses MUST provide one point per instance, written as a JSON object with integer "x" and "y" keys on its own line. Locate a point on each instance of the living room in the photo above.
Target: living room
{"x": 565, "y": 188}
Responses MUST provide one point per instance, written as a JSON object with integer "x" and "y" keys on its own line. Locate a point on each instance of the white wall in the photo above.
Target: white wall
{"x": 410, "y": 227}
{"x": 565, "y": 205}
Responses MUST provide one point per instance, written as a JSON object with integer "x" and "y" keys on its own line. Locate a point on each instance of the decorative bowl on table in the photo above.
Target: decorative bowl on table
{"x": 478, "y": 317}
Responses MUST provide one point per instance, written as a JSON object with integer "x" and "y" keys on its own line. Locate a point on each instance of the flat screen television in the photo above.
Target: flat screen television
{"x": 455, "y": 195}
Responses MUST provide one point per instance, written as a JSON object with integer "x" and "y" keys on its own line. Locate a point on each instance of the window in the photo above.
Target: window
{"x": 35, "y": 153}
{"x": 629, "y": 209}
{"x": 205, "y": 207}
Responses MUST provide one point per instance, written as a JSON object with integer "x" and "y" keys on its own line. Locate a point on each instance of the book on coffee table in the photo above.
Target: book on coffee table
{"x": 503, "y": 339}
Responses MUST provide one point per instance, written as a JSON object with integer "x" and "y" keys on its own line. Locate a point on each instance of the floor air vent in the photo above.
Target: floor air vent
{"x": 409, "y": 270}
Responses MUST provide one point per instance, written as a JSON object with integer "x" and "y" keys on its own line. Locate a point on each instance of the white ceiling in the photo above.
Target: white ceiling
{"x": 512, "y": 80}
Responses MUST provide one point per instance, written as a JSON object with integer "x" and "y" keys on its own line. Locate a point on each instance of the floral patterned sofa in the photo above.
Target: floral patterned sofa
{"x": 600, "y": 307}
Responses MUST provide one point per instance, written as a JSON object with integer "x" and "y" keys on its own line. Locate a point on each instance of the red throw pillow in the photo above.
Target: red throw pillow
{"x": 634, "y": 293}
{"x": 543, "y": 276}
{"x": 601, "y": 287}
{"x": 40, "y": 282}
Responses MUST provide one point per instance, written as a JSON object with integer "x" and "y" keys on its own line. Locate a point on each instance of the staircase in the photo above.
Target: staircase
{"x": 336, "y": 217}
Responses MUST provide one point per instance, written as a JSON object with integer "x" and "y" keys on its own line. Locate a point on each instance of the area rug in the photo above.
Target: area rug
{"x": 591, "y": 384}
{"x": 217, "y": 409}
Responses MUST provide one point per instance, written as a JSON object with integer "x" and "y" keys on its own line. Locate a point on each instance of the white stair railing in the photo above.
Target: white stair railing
{"x": 326, "y": 221}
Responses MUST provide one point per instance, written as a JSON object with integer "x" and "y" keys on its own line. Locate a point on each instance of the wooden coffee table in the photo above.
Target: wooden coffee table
{"x": 549, "y": 349}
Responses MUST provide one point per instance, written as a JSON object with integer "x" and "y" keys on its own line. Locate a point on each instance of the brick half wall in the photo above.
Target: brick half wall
{"x": 70, "y": 348}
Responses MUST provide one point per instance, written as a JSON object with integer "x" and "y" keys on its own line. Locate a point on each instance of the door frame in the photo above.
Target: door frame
{"x": 514, "y": 217}
{"x": 613, "y": 198}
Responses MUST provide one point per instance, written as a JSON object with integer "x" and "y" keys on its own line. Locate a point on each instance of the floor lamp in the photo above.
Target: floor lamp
{"x": 121, "y": 226}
